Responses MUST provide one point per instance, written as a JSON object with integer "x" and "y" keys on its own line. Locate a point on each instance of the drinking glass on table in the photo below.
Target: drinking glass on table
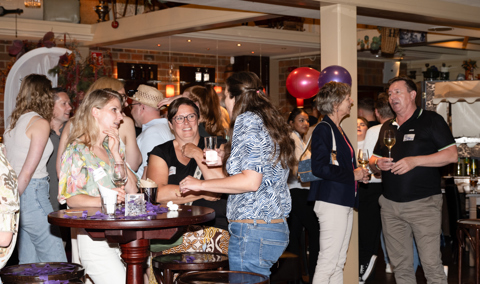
{"x": 473, "y": 183}
{"x": 389, "y": 140}
{"x": 119, "y": 176}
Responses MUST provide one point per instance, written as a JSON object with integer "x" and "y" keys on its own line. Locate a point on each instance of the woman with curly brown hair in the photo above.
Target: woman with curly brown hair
{"x": 256, "y": 161}
{"x": 28, "y": 148}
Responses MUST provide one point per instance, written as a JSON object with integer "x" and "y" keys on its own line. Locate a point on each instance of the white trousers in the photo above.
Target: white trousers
{"x": 101, "y": 260}
{"x": 336, "y": 223}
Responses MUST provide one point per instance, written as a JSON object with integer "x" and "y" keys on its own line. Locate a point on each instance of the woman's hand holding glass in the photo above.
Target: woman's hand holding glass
{"x": 361, "y": 174}
{"x": 190, "y": 184}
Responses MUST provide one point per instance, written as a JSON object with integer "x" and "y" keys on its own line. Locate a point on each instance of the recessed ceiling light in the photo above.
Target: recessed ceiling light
{"x": 252, "y": 52}
{"x": 239, "y": 44}
{"x": 440, "y": 29}
{"x": 208, "y": 48}
{"x": 189, "y": 40}
{"x": 159, "y": 45}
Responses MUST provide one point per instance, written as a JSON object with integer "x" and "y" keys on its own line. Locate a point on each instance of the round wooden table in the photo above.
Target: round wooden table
{"x": 133, "y": 235}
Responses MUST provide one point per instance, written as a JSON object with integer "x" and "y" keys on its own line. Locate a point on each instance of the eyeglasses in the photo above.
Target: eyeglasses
{"x": 179, "y": 119}
{"x": 130, "y": 106}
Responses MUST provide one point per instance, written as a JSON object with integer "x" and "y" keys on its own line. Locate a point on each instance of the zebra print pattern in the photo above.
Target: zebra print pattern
{"x": 252, "y": 149}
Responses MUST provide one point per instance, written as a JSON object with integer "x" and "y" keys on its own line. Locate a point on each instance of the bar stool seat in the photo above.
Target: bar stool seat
{"x": 34, "y": 273}
{"x": 463, "y": 233}
{"x": 187, "y": 261}
{"x": 218, "y": 277}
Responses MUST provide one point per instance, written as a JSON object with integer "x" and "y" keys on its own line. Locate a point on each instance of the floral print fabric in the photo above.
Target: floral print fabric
{"x": 9, "y": 205}
{"x": 76, "y": 172}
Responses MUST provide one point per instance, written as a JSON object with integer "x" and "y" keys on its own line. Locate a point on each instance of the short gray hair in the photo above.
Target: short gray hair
{"x": 330, "y": 96}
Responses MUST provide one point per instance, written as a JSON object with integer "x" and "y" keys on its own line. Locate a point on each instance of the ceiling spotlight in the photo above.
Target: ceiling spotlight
{"x": 189, "y": 40}
{"x": 440, "y": 29}
{"x": 159, "y": 45}
{"x": 252, "y": 52}
{"x": 208, "y": 48}
{"x": 239, "y": 44}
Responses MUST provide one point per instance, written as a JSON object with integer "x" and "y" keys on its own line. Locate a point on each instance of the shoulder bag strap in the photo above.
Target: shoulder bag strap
{"x": 334, "y": 147}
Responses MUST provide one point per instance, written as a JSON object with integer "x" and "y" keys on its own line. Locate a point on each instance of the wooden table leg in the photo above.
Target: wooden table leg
{"x": 135, "y": 254}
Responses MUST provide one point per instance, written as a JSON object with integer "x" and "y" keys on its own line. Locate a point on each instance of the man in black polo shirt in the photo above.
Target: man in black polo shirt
{"x": 411, "y": 204}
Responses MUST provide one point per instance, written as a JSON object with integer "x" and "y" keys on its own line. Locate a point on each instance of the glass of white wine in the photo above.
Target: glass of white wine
{"x": 119, "y": 176}
{"x": 389, "y": 140}
{"x": 363, "y": 158}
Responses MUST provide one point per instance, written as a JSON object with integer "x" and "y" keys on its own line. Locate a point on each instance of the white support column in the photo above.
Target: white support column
{"x": 338, "y": 23}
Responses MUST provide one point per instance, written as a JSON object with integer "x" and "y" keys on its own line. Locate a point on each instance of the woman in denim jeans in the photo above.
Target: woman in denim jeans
{"x": 28, "y": 148}
{"x": 256, "y": 166}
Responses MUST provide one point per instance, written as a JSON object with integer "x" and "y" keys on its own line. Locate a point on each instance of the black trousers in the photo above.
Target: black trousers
{"x": 303, "y": 216}
{"x": 369, "y": 221}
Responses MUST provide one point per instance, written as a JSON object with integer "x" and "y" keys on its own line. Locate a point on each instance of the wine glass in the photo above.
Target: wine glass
{"x": 363, "y": 158}
{"x": 389, "y": 140}
{"x": 119, "y": 176}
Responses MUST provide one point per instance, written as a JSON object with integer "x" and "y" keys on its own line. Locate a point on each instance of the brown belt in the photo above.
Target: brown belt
{"x": 250, "y": 221}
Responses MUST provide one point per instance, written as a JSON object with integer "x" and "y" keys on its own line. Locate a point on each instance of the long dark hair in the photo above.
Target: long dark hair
{"x": 209, "y": 106}
{"x": 247, "y": 90}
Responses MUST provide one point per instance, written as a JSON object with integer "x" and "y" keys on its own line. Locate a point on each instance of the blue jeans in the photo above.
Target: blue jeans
{"x": 256, "y": 247}
{"x": 38, "y": 241}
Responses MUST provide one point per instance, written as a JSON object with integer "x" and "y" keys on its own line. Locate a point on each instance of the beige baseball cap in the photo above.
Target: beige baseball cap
{"x": 148, "y": 95}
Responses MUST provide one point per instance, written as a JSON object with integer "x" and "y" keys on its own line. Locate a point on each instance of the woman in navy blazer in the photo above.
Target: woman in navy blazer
{"x": 335, "y": 194}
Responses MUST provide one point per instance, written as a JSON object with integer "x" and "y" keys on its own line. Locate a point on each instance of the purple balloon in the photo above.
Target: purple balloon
{"x": 334, "y": 73}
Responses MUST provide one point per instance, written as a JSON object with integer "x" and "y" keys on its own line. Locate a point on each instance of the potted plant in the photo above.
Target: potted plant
{"x": 469, "y": 66}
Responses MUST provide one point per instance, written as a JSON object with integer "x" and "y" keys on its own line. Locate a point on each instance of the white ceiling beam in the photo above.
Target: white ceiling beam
{"x": 168, "y": 22}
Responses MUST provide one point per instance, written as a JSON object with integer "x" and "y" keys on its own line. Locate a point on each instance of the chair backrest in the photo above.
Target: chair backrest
{"x": 454, "y": 206}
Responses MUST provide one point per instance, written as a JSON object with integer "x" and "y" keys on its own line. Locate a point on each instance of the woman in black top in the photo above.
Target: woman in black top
{"x": 174, "y": 160}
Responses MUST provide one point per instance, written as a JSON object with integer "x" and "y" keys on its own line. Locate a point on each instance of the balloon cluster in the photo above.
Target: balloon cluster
{"x": 304, "y": 82}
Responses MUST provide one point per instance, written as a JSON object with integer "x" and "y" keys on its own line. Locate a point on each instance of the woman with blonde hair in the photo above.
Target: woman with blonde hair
{"x": 28, "y": 148}
{"x": 127, "y": 128}
{"x": 93, "y": 147}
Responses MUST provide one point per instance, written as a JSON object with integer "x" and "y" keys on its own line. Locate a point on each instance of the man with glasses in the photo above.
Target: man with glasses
{"x": 155, "y": 129}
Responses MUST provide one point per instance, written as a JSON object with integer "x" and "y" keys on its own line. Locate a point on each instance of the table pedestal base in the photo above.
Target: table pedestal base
{"x": 135, "y": 254}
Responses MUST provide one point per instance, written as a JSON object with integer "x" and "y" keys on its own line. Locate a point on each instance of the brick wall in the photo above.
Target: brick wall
{"x": 134, "y": 56}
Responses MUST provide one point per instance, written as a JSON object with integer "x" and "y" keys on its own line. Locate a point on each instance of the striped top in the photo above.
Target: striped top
{"x": 252, "y": 149}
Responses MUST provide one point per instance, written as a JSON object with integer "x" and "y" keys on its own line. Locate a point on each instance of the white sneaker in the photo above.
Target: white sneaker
{"x": 388, "y": 269}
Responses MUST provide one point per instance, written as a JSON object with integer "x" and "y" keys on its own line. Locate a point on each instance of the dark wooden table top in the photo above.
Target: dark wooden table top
{"x": 185, "y": 216}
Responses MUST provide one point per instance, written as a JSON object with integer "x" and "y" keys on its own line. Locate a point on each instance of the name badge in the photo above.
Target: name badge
{"x": 98, "y": 174}
{"x": 172, "y": 171}
{"x": 408, "y": 137}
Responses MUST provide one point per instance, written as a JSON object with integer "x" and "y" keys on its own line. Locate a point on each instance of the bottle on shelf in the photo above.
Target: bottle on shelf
{"x": 467, "y": 166}
{"x": 473, "y": 167}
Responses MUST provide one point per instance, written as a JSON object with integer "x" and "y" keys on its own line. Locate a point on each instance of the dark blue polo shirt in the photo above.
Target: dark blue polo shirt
{"x": 424, "y": 133}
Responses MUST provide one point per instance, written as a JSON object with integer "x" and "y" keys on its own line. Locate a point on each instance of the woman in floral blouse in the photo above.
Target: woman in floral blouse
{"x": 86, "y": 163}
{"x": 257, "y": 160}
{"x": 9, "y": 208}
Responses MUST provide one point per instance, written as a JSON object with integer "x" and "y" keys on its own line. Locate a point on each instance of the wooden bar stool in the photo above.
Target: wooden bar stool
{"x": 464, "y": 227}
{"x": 187, "y": 261}
{"x": 33, "y": 273}
{"x": 216, "y": 277}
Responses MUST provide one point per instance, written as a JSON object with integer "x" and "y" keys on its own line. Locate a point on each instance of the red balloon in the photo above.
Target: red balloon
{"x": 302, "y": 82}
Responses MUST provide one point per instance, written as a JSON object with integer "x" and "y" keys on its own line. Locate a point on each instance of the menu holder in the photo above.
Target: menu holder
{"x": 135, "y": 205}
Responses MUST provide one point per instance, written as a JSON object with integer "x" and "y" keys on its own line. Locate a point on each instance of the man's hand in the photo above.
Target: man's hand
{"x": 385, "y": 164}
{"x": 404, "y": 165}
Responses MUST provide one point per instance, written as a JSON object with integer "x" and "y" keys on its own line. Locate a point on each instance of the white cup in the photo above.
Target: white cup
{"x": 109, "y": 200}
{"x": 211, "y": 156}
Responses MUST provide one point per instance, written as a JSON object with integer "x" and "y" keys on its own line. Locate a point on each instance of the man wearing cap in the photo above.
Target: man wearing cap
{"x": 155, "y": 130}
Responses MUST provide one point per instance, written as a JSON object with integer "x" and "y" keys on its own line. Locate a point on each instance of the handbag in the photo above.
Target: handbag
{"x": 305, "y": 166}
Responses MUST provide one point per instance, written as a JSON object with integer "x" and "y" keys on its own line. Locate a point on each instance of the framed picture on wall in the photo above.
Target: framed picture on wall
{"x": 409, "y": 37}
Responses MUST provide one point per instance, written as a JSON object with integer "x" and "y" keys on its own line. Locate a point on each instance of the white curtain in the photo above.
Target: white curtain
{"x": 37, "y": 61}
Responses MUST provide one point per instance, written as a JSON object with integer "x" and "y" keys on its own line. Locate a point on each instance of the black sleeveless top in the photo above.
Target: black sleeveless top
{"x": 178, "y": 171}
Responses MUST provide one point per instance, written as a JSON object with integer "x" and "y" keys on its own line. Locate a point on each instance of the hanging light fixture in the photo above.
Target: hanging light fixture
{"x": 32, "y": 3}
{"x": 217, "y": 88}
{"x": 170, "y": 91}
{"x": 170, "y": 88}
{"x": 300, "y": 103}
